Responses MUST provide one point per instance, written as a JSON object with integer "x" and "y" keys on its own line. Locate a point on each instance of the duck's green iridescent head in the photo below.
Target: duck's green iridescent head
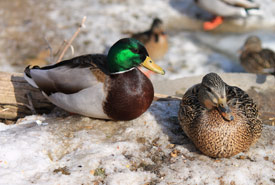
{"x": 128, "y": 53}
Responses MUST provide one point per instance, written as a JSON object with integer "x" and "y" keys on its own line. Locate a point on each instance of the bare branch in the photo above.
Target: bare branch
{"x": 71, "y": 40}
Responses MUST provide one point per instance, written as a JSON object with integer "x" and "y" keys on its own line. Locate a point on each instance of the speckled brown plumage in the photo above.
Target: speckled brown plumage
{"x": 154, "y": 40}
{"x": 255, "y": 59}
{"x": 211, "y": 133}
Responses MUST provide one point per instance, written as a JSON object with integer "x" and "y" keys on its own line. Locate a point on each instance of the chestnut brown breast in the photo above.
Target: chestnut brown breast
{"x": 129, "y": 95}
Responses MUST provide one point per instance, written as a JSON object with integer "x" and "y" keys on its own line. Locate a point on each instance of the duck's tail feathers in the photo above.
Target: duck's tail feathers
{"x": 253, "y": 8}
{"x": 28, "y": 77}
{"x": 254, "y": 12}
{"x": 269, "y": 70}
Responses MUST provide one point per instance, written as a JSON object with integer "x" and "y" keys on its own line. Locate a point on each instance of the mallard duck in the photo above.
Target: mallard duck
{"x": 154, "y": 39}
{"x": 99, "y": 86}
{"x": 221, "y": 120}
{"x": 225, "y": 8}
{"x": 255, "y": 59}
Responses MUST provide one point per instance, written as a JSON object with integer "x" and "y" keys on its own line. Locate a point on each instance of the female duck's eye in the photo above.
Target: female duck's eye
{"x": 208, "y": 89}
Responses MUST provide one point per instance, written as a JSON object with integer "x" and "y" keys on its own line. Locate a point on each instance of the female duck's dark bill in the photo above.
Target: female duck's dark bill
{"x": 225, "y": 110}
{"x": 151, "y": 65}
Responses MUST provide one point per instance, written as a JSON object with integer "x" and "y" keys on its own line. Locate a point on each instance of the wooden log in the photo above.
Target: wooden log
{"x": 13, "y": 97}
{"x": 165, "y": 97}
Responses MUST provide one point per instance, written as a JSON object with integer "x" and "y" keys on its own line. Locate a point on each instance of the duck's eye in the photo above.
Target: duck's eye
{"x": 208, "y": 89}
{"x": 134, "y": 50}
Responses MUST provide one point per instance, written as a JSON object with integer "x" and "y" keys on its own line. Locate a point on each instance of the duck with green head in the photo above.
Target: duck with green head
{"x": 100, "y": 86}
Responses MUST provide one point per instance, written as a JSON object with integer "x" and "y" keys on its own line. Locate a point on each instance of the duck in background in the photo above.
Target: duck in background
{"x": 155, "y": 40}
{"x": 99, "y": 86}
{"x": 221, "y": 120}
{"x": 225, "y": 8}
{"x": 256, "y": 59}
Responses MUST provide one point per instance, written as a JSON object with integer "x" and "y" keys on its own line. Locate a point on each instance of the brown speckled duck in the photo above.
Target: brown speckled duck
{"x": 221, "y": 120}
{"x": 99, "y": 86}
{"x": 256, "y": 59}
{"x": 154, "y": 39}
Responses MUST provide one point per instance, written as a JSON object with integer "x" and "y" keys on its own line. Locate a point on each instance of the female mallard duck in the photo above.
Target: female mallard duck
{"x": 225, "y": 8}
{"x": 221, "y": 120}
{"x": 154, "y": 39}
{"x": 99, "y": 86}
{"x": 255, "y": 59}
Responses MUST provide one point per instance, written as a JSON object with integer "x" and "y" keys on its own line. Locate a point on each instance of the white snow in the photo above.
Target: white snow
{"x": 80, "y": 150}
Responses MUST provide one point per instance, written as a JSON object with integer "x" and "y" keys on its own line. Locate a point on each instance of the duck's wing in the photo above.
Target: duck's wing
{"x": 242, "y": 3}
{"x": 143, "y": 37}
{"x": 69, "y": 76}
{"x": 268, "y": 60}
{"x": 190, "y": 109}
{"x": 152, "y": 34}
{"x": 227, "y": 8}
{"x": 259, "y": 62}
{"x": 240, "y": 100}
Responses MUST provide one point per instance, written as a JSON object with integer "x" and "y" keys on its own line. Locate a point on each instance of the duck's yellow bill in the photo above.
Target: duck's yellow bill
{"x": 151, "y": 65}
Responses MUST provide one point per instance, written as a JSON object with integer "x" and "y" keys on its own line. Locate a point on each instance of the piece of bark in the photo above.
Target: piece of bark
{"x": 165, "y": 97}
{"x": 13, "y": 97}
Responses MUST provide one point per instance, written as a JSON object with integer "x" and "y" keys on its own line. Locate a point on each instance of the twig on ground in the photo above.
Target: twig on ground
{"x": 71, "y": 40}
{"x": 31, "y": 107}
{"x": 51, "y": 50}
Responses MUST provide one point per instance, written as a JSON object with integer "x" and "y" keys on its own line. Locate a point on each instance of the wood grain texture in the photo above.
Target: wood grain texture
{"x": 13, "y": 97}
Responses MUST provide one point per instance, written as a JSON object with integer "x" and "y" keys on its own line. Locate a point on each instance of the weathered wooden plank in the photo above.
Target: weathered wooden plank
{"x": 13, "y": 100}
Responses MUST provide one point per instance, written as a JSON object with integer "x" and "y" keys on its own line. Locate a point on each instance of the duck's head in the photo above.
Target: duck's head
{"x": 128, "y": 53}
{"x": 212, "y": 95}
{"x": 157, "y": 25}
{"x": 253, "y": 44}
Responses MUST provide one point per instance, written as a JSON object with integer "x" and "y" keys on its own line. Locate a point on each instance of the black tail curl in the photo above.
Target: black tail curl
{"x": 28, "y": 70}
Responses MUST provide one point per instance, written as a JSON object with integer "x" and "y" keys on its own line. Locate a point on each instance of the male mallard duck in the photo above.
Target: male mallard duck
{"x": 99, "y": 86}
{"x": 154, "y": 39}
{"x": 255, "y": 59}
{"x": 225, "y": 8}
{"x": 221, "y": 120}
